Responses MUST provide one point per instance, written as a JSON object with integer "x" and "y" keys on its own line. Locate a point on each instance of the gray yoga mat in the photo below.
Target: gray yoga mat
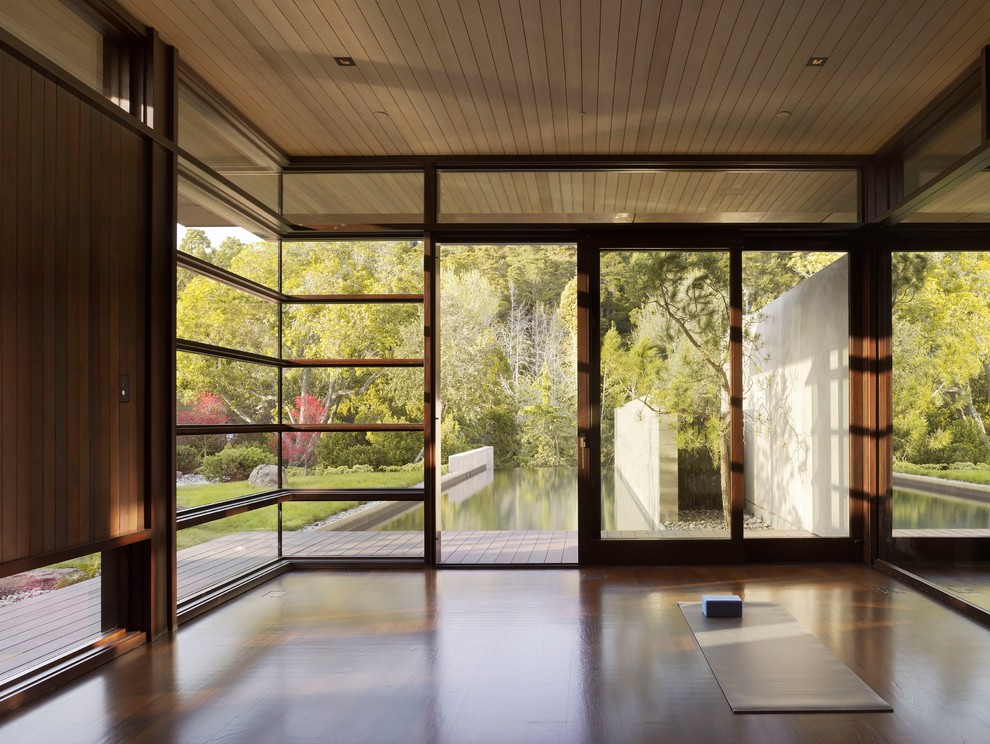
{"x": 767, "y": 662}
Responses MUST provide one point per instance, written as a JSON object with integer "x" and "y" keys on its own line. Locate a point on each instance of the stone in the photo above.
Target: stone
{"x": 266, "y": 476}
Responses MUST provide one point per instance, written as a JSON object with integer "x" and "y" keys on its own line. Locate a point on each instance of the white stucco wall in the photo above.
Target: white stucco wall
{"x": 646, "y": 459}
{"x": 797, "y": 407}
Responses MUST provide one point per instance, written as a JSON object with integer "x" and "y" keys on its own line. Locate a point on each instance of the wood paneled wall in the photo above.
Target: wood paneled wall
{"x": 73, "y": 246}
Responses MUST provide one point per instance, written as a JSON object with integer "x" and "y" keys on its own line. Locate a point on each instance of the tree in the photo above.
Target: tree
{"x": 941, "y": 378}
{"x": 298, "y": 447}
{"x": 207, "y": 409}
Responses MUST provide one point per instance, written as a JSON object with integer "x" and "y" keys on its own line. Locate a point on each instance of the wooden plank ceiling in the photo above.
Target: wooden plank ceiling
{"x": 579, "y": 77}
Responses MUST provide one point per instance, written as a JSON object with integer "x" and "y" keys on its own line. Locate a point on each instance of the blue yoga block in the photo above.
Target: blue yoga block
{"x": 721, "y": 605}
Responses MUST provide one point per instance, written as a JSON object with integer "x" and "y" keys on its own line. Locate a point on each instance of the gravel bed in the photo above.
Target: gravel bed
{"x": 340, "y": 515}
{"x": 711, "y": 519}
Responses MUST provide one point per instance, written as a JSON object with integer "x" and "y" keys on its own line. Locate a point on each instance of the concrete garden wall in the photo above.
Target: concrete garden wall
{"x": 646, "y": 460}
{"x": 797, "y": 407}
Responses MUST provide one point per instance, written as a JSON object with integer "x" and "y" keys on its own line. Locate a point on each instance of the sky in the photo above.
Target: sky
{"x": 218, "y": 234}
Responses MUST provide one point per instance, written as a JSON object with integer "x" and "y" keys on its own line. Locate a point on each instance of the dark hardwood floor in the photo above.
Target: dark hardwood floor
{"x": 565, "y": 655}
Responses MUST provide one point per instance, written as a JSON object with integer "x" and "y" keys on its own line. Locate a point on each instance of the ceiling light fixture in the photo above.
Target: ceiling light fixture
{"x": 345, "y": 61}
{"x": 817, "y": 62}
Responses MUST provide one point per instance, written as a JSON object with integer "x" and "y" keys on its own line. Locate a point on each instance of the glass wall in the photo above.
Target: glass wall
{"x": 941, "y": 394}
{"x": 47, "y": 612}
{"x": 58, "y": 33}
{"x": 796, "y": 394}
{"x": 508, "y": 389}
{"x": 352, "y": 390}
{"x": 665, "y": 394}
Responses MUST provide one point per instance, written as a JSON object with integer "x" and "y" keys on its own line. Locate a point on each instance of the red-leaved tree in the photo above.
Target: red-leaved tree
{"x": 299, "y": 447}
{"x": 206, "y": 410}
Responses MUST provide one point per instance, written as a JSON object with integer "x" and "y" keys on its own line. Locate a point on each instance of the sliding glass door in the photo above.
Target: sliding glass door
{"x": 717, "y": 388}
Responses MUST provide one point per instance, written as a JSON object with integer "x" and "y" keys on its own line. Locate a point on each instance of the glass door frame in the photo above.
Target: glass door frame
{"x": 433, "y": 245}
{"x": 894, "y": 551}
{"x": 863, "y": 435}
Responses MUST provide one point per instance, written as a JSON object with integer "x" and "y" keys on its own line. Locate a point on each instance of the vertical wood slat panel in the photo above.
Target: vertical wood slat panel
{"x": 60, "y": 372}
{"x": 49, "y": 342}
{"x": 73, "y": 232}
{"x": 8, "y": 236}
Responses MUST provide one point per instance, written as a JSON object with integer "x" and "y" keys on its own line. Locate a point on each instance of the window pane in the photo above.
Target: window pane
{"x": 213, "y": 313}
{"x": 958, "y": 137}
{"x": 208, "y": 136}
{"x": 213, "y": 390}
{"x": 353, "y": 529}
{"x": 374, "y": 459}
{"x": 352, "y": 267}
{"x": 648, "y": 196}
{"x": 941, "y": 393}
{"x": 372, "y": 331}
{"x": 213, "y": 233}
{"x": 665, "y": 393}
{"x": 47, "y": 612}
{"x": 59, "y": 34}
{"x": 218, "y": 467}
{"x": 331, "y": 200}
{"x": 216, "y": 552}
{"x": 354, "y": 395}
{"x": 796, "y": 394}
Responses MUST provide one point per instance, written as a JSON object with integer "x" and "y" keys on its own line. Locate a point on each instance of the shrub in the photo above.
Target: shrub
{"x": 235, "y": 463}
{"x": 187, "y": 458}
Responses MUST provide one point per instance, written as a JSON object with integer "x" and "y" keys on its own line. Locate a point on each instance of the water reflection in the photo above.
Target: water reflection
{"x": 913, "y": 510}
{"x": 520, "y": 499}
{"x": 546, "y": 499}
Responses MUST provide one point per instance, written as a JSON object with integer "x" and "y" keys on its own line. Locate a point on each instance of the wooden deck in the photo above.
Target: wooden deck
{"x": 36, "y": 629}
{"x": 541, "y": 547}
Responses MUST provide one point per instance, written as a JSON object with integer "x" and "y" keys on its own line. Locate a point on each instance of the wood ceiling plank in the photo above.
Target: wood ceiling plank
{"x": 236, "y": 71}
{"x": 841, "y": 90}
{"x": 724, "y": 50}
{"x": 493, "y": 28}
{"x": 738, "y": 66}
{"x": 457, "y": 55}
{"x": 687, "y": 20}
{"x": 238, "y": 22}
{"x": 635, "y": 85}
{"x": 955, "y": 43}
{"x": 318, "y": 45}
{"x": 398, "y": 91}
{"x": 627, "y": 51}
{"x": 707, "y": 41}
{"x": 788, "y": 28}
{"x": 553, "y": 41}
{"x": 788, "y": 82}
{"x": 666, "y": 24}
{"x": 513, "y": 76}
{"x": 529, "y": 67}
{"x": 421, "y": 45}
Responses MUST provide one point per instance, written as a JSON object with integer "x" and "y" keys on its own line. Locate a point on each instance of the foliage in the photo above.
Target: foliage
{"x": 235, "y": 463}
{"x": 941, "y": 321}
{"x": 298, "y": 447}
{"x": 206, "y": 409}
{"x": 187, "y": 458}
{"x": 376, "y": 449}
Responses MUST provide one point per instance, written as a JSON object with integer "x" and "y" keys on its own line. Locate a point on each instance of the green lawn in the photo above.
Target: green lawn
{"x": 974, "y": 475}
{"x": 294, "y": 516}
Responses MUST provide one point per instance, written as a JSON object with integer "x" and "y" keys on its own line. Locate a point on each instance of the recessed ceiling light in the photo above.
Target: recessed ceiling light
{"x": 345, "y": 61}
{"x": 783, "y": 114}
{"x": 817, "y": 62}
